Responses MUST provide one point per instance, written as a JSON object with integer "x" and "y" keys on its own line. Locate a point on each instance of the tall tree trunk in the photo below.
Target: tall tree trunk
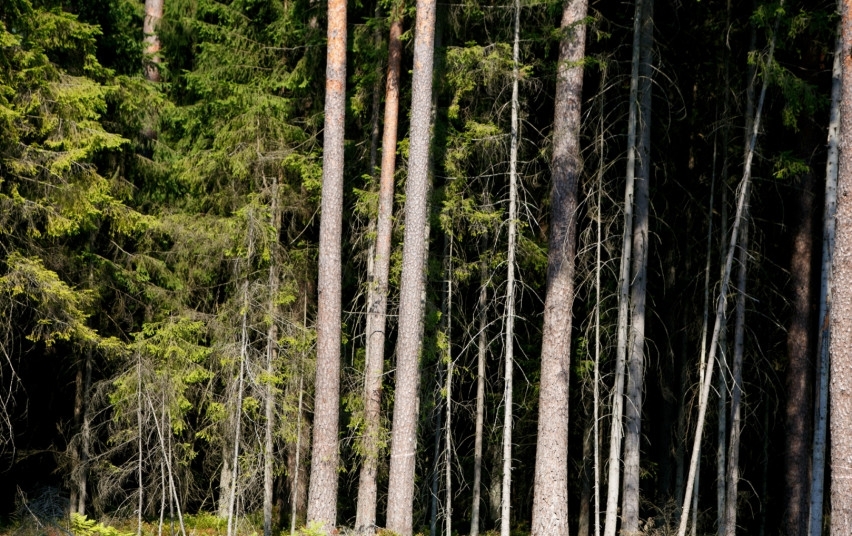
{"x": 723, "y": 290}
{"x": 271, "y": 359}
{"x": 841, "y": 304}
{"x": 616, "y": 430}
{"x": 638, "y": 285}
{"x": 365, "y": 518}
{"x": 509, "y": 341}
{"x": 297, "y": 488}
{"x": 815, "y": 521}
{"x": 550, "y": 499}
{"x": 586, "y": 482}
{"x": 733, "y": 458}
{"x": 799, "y": 410}
{"x": 404, "y": 436}
{"x": 238, "y": 408}
{"x": 322, "y": 491}
{"x": 482, "y": 342}
{"x": 153, "y": 16}
{"x": 448, "y": 388}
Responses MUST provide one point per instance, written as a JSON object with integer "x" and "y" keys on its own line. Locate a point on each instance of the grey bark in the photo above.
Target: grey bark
{"x": 733, "y": 458}
{"x": 722, "y": 300}
{"x": 404, "y": 434}
{"x": 815, "y": 518}
{"x": 322, "y": 491}
{"x": 638, "y": 285}
{"x": 271, "y": 359}
{"x": 509, "y": 319}
{"x": 550, "y": 495}
{"x": 482, "y": 342}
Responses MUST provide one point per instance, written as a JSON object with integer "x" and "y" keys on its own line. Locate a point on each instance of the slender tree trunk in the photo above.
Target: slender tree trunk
{"x": 238, "y": 409}
{"x": 294, "y": 490}
{"x": 140, "y": 483}
{"x": 322, "y": 493}
{"x": 815, "y": 521}
{"x": 799, "y": 410}
{"x": 841, "y": 304}
{"x": 365, "y": 519}
{"x": 586, "y": 484}
{"x": 596, "y": 378}
{"x": 448, "y": 437}
{"x": 404, "y": 436}
{"x": 167, "y": 456}
{"x": 723, "y": 290}
{"x": 482, "y": 342}
{"x": 509, "y": 341}
{"x": 271, "y": 359}
{"x": 616, "y": 431}
{"x": 436, "y": 459}
{"x": 550, "y": 499}
{"x": 153, "y": 16}
{"x": 733, "y": 459}
{"x": 638, "y": 285}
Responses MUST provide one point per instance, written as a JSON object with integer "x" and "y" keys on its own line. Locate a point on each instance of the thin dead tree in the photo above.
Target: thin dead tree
{"x": 153, "y": 16}
{"x": 815, "y": 518}
{"x": 723, "y": 290}
{"x": 509, "y": 341}
{"x": 482, "y": 342}
{"x": 616, "y": 430}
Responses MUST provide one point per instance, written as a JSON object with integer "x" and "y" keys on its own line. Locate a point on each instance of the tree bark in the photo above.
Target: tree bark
{"x": 616, "y": 430}
{"x": 153, "y": 16}
{"x": 482, "y": 342}
{"x": 404, "y": 436}
{"x": 271, "y": 359}
{"x": 509, "y": 341}
{"x": 733, "y": 458}
{"x": 550, "y": 496}
{"x": 723, "y": 289}
{"x": 365, "y": 518}
{"x": 638, "y": 285}
{"x": 815, "y": 520}
{"x": 841, "y": 304}
{"x": 322, "y": 491}
{"x": 799, "y": 409}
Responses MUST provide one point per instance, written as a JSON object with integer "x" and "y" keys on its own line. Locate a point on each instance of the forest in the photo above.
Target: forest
{"x": 397, "y": 267}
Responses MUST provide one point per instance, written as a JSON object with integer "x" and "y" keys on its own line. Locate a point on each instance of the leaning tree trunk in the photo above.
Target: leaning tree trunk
{"x": 638, "y": 284}
{"x": 365, "y": 518}
{"x": 815, "y": 520}
{"x": 799, "y": 410}
{"x": 322, "y": 491}
{"x": 509, "y": 341}
{"x": 732, "y": 476}
{"x": 550, "y": 499}
{"x": 153, "y": 15}
{"x": 400, "y": 517}
{"x": 722, "y": 300}
{"x": 841, "y": 304}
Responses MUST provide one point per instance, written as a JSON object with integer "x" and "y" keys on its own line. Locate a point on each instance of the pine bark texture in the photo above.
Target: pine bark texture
{"x": 153, "y": 15}
{"x": 404, "y": 432}
{"x": 322, "y": 490}
{"x": 550, "y": 499}
{"x": 365, "y": 518}
{"x": 638, "y": 282}
{"x": 841, "y": 304}
{"x": 799, "y": 409}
